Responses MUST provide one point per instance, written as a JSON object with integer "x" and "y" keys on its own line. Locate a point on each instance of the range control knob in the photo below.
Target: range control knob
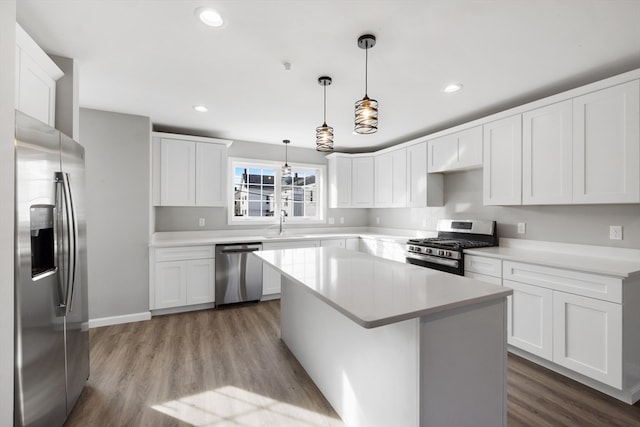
{"x": 447, "y": 254}
{"x": 427, "y": 251}
{"x": 440, "y": 252}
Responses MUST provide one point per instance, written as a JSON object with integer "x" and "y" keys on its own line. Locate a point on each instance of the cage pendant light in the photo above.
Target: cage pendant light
{"x": 324, "y": 133}
{"x": 286, "y": 169}
{"x": 366, "y": 108}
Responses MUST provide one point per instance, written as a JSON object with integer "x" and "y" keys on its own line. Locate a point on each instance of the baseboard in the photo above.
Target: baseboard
{"x": 116, "y": 320}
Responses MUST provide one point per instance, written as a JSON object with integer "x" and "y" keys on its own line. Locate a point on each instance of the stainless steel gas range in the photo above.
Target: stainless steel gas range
{"x": 445, "y": 252}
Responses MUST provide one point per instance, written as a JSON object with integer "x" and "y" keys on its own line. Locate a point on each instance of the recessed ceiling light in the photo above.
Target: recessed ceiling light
{"x": 209, "y": 16}
{"x": 452, "y": 87}
{"x": 200, "y": 108}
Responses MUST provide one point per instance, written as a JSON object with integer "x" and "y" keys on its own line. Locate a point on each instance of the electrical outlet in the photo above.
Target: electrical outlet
{"x": 332, "y": 220}
{"x": 201, "y": 222}
{"x": 377, "y": 220}
{"x": 522, "y": 227}
{"x": 615, "y": 232}
{"x": 341, "y": 220}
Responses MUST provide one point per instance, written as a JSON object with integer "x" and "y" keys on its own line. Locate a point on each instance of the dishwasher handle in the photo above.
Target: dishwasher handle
{"x": 239, "y": 250}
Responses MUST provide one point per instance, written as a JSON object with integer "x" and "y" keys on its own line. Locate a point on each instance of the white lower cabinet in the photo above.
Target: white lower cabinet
{"x": 570, "y": 318}
{"x": 530, "y": 318}
{"x": 271, "y": 277}
{"x": 587, "y": 337}
{"x": 334, "y": 243}
{"x": 182, "y": 276}
{"x": 394, "y": 251}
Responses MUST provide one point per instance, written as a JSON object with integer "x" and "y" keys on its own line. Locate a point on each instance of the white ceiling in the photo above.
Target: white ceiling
{"x": 155, "y": 58}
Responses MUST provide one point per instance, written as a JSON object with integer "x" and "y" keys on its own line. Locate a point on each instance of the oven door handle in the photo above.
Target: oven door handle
{"x": 434, "y": 259}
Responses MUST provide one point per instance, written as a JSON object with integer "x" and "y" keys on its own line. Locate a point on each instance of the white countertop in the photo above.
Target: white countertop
{"x": 609, "y": 261}
{"x": 195, "y": 238}
{"x": 373, "y": 291}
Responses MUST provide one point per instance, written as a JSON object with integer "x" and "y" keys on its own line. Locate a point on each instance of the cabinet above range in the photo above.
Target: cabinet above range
{"x": 188, "y": 170}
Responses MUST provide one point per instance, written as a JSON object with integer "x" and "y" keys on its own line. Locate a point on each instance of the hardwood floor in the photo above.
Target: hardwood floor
{"x": 228, "y": 367}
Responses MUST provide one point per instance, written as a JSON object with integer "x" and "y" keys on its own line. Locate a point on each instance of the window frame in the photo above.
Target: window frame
{"x": 321, "y": 179}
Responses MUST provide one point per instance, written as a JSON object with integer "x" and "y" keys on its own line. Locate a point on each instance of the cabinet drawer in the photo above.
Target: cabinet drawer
{"x": 483, "y": 278}
{"x": 184, "y": 252}
{"x": 483, "y": 265}
{"x": 589, "y": 285}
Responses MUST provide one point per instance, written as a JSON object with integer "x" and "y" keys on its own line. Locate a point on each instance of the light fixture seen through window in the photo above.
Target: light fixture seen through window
{"x": 286, "y": 169}
{"x": 366, "y": 108}
{"x": 324, "y": 133}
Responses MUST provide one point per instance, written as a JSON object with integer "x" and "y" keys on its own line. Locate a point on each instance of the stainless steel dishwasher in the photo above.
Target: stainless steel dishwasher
{"x": 238, "y": 273}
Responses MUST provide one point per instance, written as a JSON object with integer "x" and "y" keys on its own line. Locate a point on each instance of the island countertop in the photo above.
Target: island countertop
{"x": 373, "y": 291}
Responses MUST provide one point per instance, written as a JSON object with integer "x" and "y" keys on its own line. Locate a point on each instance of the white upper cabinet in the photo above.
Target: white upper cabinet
{"x": 188, "y": 171}
{"x": 606, "y": 145}
{"x": 362, "y": 182}
{"x": 423, "y": 189}
{"x": 339, "y": 181}
{"x": 383, "y": 180}
{"x": 457, "y": 151}
{"x": 391, "y": 179}
{"x": 502, "y": 173}
{"x": 35, "y": 80}
{"x": 546, "y": 154}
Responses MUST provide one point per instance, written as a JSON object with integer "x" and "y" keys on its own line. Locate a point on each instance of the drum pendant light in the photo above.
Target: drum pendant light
{"x": 366, "y": 108}
{"x": 286, "y": 169}
{"x": 324, "y": 133}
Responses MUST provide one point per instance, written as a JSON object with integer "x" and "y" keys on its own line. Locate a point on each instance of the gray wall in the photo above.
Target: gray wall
{"x": 117, "y": 162}
{"x": 582, "y": 224}
{"x": 7, "y": 133}
{"x": 186, "y": 219}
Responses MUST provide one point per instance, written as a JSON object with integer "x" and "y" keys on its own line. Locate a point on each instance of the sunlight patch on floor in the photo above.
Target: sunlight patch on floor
{"x": 235, "y": 407}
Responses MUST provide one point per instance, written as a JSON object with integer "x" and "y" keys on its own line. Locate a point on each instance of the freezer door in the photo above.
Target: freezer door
{"x": 39, "y": 336}
{"x": 77, "y": 319}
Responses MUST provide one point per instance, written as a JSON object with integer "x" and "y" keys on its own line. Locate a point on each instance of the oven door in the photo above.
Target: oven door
{"x": 453, "y": 266}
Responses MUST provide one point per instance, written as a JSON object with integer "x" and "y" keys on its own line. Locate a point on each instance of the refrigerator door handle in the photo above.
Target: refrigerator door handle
{"x": 72, "y": 238}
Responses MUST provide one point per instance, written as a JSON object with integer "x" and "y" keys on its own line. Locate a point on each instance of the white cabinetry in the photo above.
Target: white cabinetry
{"x": 483, "y": 268}
{"x": 457, "y": 151}
{"x": 362, "y": 182}
{"x": 546, "y": 154}
{"x": 339, "y": 181}
{"x": 587, "y": 337}
{"x": 270, "y": 276}
{"x": 189, "y": 171}
{"x": 181, "y": 276}
{"x": 333, "y": 243}
{"x": 35, "y": 79}
{"x": 571, "y": 318}
{"x": 606, "y": 145}
{"x": 502, "y": 173}
{"x": 529, "y": 318}
{"x": 391, "y": 179}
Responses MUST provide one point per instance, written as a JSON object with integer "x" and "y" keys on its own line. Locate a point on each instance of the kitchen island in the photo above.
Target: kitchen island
{"x": 389, "y": 343}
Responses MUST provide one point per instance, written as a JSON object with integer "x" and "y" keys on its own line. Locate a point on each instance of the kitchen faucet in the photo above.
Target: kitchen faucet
{"x": 283, "y": 213}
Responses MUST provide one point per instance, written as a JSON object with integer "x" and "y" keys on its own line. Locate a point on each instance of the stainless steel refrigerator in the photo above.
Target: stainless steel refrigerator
{"x": 51, "y": 313}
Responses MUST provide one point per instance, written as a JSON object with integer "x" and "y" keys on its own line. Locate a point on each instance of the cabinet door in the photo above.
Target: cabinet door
{"x": 547, "y": 155}
{"x": 587, "y": 337}
{"x": 170, "y": 284}
{"x": 352, "y": 243}
{"x": 606, "y": 147}
{"x": 200, "y": 281}
{"x": 529, "y": 319}
{"x": 334, "y": 243}
{"x": 502, "y": 173}
{"x": 177, "y": 172}
{"x": 362, "y": 182}
{"x": 35, "y": 89}
{"x": 339, "y": 182}
{"x": 398, "y": 178}
{"x": 270, "y": 280}
{"x": 443, "y": 153}
{"x": 417, "y": 175}
{"x": 384, "y": 180}
{"x": 211, "y": 167}
{"x": 470, "y": 148}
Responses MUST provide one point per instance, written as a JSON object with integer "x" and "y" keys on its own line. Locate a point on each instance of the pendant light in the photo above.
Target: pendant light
{"x": 366, "y": 108}
{"x": 324, "y": 133}
{"x": 286, "y": 169}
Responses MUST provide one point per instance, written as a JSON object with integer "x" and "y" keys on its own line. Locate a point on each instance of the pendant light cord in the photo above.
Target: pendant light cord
{"x": 325, "y": 103}
{"x": 366, "y": 67}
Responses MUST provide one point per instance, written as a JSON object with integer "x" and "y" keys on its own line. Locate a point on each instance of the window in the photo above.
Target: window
{"x": 260, "y": 193}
